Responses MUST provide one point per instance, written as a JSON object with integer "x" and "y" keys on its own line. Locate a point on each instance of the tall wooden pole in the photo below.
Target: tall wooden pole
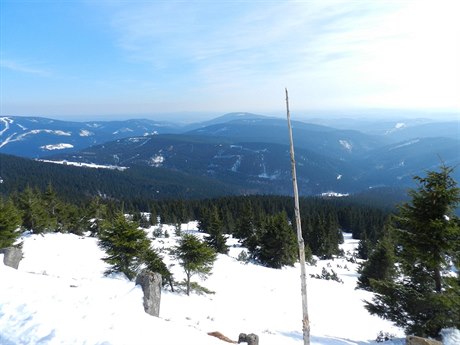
{"x": 303, "y": 275}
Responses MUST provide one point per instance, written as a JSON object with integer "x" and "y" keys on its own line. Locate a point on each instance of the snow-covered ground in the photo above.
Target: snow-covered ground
{"x": 60, "y": 296}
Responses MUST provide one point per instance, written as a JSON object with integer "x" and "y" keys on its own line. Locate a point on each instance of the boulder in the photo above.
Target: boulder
{"x": 250, "y": 339}
{"x": 11, "y": 256}
{"x": 413, "y": 340}
{"x": 151, "y": 285}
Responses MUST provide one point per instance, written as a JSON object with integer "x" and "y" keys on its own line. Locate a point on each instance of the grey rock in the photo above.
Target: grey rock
{"x": 250, "y": 339}
{"x": 151, "y": 285}
{"x": 11, "y": 256}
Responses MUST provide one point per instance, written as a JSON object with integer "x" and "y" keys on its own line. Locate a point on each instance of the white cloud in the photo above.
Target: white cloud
{"x": 22, "y": 67}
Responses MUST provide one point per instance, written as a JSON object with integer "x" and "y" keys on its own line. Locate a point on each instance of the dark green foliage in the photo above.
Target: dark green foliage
{"x": 326, "y": 275}
{"x": 244, "y": 217}
{"x": 424, "y": 297}
{"x": 322, "y": 234}
{"x": 125, "y": 245}
{"x": 10, "y": 221}
{"x": 138, "y": 184}
{"x": 245, "y": 226}
{"x": 96, "y": 211}
{"x": 364, "y": 247}
{"x": 154, "y": 263}
{"x": 277, "y": 243}
{"x": 195, "y": 256}
{"x": 35, "y": 217}
{"x": 215, "y": 238}
{"x": 379, "y": 266}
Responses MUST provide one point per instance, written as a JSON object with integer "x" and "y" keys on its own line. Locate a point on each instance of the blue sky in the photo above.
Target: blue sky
{"x": 73, "y": 58}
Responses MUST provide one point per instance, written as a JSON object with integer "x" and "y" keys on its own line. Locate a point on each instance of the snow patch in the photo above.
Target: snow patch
{"x": 94, "y": 125}
{"x": 156, "y": 161}
{"x": 346, "y": 145}
{"x": 61, "y": 146}
{"x": 153, "y": 133}
{"x": 85, "y": 133}
{"x": 450, "y": 336}
{"x": 237, "y": 164}
{"x": 334, "y": 194}
{"x": 85, "y": 165}
{"x": 398, "y": 125}
{"x": 8, "y": 140}
{"x": 7, "y": 121}
{"x": 123, "y": 130}
{"x": 407, "y": 143}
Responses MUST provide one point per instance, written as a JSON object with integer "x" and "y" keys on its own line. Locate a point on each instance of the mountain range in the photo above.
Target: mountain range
{"x": 242, "y": 152}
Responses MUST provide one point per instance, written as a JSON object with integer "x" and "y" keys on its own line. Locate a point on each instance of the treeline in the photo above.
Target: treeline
{"x": 246, "y": 217}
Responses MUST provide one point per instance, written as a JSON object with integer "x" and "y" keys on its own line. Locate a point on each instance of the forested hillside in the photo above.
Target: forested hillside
{"x": 78, "y": 184}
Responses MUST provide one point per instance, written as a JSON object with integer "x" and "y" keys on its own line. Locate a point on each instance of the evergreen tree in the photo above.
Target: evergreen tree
{"x": 51, "y": 204}
{"x": 154, "y": 263}
{"x": 216, "y": 239}
{"x": 95, "y": 213}
{"x": 195, "y": 256}
{"x": 380, "y": 266}
{"x": 245, "y": 224}
{"x": 125, "y": 245}
{"x": 364, "y": 247}
{"x": 278, "y": 243}
{"x": 34, "y": 214}
{"x": 425, "y": 296}
{"x": 10, "y": 221}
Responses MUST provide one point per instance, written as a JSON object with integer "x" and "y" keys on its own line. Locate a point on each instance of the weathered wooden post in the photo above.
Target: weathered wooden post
{"x": 303, "y": 275}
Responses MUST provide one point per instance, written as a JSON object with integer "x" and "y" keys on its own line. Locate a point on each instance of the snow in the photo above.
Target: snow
{"x": 398, "y": 125}
{"x": 237, "y": 163}
{"x": 85, "y": 165}
{"x": 122, "y": 130}
{"x": 346, "y": 145}
{"x": 85, "y": 133}
{"x": 20, "y": 137}
{"x": 60, "y": 296}
{"x": 156, "y": 161}
{"x": 6, "y": 121}
{"x": 61, "y": 146}
{"x": 334, "y": 194}
{"x": 407, "y": 143}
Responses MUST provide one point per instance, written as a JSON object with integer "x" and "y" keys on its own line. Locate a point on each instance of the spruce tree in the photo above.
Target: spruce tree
{"x": 380, "y": 265}
{"x": 424, "y": 297}
{"x": 278, "y": 243}
{"x": 364, "y": 247}
{"x": 34, "y": 214}
{"x": 125, "y": 245}
{"x": 195, "y": 256}
{"x": 52, "y": 205}
{"x": 215, "y": 238}
{"x": 245, "y": 224}
{"x": 10, "y": 221}
{"x": 154, "y": 263}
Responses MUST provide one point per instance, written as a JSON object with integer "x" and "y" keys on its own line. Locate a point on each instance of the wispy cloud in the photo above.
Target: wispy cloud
{"x": 220, "y": 55}
{"x": 23, "y": 68}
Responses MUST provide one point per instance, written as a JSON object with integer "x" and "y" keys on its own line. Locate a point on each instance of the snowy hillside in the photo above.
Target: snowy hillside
{"x": 60, "y": 296}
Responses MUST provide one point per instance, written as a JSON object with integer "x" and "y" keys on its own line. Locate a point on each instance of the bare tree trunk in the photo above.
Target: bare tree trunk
{"x": 188, "y": 283}
{"x": 303, "y": 275}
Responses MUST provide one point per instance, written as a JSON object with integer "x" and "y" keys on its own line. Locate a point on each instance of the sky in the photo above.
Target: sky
{"x": 120, "y": 58}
